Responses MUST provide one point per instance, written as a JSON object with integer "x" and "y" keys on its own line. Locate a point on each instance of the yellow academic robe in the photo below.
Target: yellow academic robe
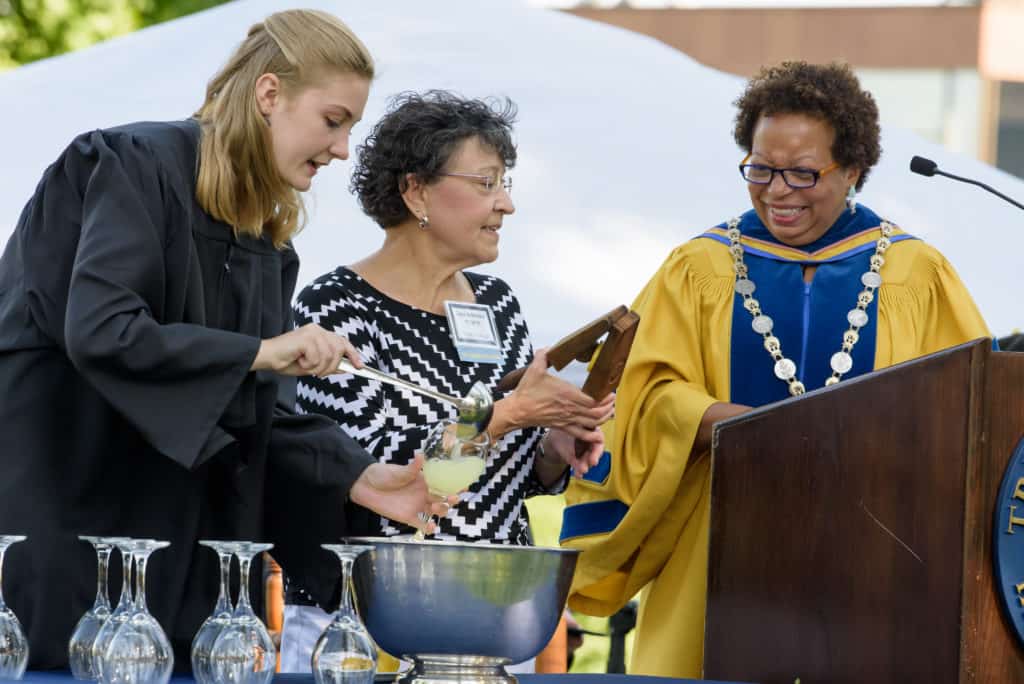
{"x": 655, "y": 494}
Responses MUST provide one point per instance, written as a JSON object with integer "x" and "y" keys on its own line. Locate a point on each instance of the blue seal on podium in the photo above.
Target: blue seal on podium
{"x": 1008, "y": 542}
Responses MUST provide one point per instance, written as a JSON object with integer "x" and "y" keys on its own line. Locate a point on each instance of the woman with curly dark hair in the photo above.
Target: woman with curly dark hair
{"x": 803, "y": 290}
{"x": 431, "y": 174}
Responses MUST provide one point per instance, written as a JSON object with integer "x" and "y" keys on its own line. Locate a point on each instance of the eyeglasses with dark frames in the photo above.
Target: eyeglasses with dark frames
{"x": 489, "y": 183}
{"x": 798, "y": 178}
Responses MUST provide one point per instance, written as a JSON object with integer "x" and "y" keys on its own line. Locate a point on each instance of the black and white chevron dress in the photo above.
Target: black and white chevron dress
{"x": 391, "y": 423}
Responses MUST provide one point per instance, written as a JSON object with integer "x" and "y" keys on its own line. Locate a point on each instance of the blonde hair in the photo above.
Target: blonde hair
{"x": 239, "y": 182}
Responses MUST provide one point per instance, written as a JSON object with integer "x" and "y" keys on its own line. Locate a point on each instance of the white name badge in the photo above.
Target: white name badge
{"x": 473, "y": 332}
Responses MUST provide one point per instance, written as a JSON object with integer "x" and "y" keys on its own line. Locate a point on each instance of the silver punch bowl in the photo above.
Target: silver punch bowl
{"x": 461, "y": 612}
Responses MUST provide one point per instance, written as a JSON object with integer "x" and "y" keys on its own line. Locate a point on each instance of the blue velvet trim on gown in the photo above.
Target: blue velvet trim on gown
{"x": 809, "y": 318}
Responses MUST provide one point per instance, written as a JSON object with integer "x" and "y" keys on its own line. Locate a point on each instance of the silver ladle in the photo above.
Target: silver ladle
{"x": 474, "y": 410}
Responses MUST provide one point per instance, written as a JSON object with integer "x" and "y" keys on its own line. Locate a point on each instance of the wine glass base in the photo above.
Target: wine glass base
{"x": 457, "y": 669}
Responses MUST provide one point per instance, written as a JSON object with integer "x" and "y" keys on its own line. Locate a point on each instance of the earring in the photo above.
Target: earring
{"x": 851, "y": 199}
{"x": 424, "y": 222}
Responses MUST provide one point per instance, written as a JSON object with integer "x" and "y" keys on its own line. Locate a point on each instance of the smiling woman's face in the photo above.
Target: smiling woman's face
{"x": 465, "y": 217}
{"x": 797, "y": 217}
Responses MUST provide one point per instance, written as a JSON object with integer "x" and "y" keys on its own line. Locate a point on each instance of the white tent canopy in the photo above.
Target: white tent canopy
{"x": 625, "y": 145}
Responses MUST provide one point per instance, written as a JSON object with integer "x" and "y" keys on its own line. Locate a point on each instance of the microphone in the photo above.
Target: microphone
{"x": 926, "y": 167}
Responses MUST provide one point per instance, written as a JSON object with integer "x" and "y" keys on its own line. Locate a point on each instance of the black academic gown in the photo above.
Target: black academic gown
{"x": 129, "y": 319}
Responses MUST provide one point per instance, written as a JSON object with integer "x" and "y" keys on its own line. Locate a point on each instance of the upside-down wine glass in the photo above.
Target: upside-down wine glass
{"x": 211, "y": 628}
{"x": 80, "y": 645}
{"x": 139, "y": 652}
{"x": 344, "y": 653}
{"x": 13, "y": 644}
{"x": 124, "y": 606}
{"x": 244, "y": 651}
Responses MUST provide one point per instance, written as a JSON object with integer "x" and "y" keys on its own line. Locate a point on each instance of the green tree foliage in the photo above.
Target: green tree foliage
{"x": 36, "y": 29}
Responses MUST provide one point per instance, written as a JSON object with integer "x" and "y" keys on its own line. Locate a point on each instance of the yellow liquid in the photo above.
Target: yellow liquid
{"x": 344, "y": 668}
{"x": 387, "y": 662}
{"x": 451, "y": 476}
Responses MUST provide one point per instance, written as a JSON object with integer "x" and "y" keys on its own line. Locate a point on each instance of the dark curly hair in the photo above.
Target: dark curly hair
{"x": 418, "y": 135}
{"x": 829, "y": 92}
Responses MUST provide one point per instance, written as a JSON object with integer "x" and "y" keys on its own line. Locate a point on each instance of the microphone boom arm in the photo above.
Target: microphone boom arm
{"x": 980, "y": 185}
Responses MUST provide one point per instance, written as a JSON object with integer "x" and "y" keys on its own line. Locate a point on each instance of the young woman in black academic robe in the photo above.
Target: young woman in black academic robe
{"x": 144, "y": 324}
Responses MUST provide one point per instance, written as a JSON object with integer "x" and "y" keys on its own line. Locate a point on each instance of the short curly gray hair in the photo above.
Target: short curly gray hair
{"x": 418, "y": 135}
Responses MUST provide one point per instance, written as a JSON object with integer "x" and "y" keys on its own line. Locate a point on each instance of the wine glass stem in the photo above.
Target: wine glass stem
{"x": 103, "y": 565}
{"x": 223, "y": 600}
{"x": 346, "y": 580}
{"x": 140, "y": 581}
{"x": 3, "y": 549}
{"x": 126, "y": 578}
{"x": 243, "y": 589}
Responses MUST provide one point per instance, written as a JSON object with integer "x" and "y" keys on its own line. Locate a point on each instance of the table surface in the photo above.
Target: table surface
{"x": 523, "y": 678}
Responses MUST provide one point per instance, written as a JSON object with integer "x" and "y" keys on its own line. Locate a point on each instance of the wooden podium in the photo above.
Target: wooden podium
{"x": 852, "y": 528}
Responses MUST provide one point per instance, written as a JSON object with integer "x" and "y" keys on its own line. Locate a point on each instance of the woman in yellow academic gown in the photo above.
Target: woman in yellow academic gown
{"x": 803, "y": 290}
